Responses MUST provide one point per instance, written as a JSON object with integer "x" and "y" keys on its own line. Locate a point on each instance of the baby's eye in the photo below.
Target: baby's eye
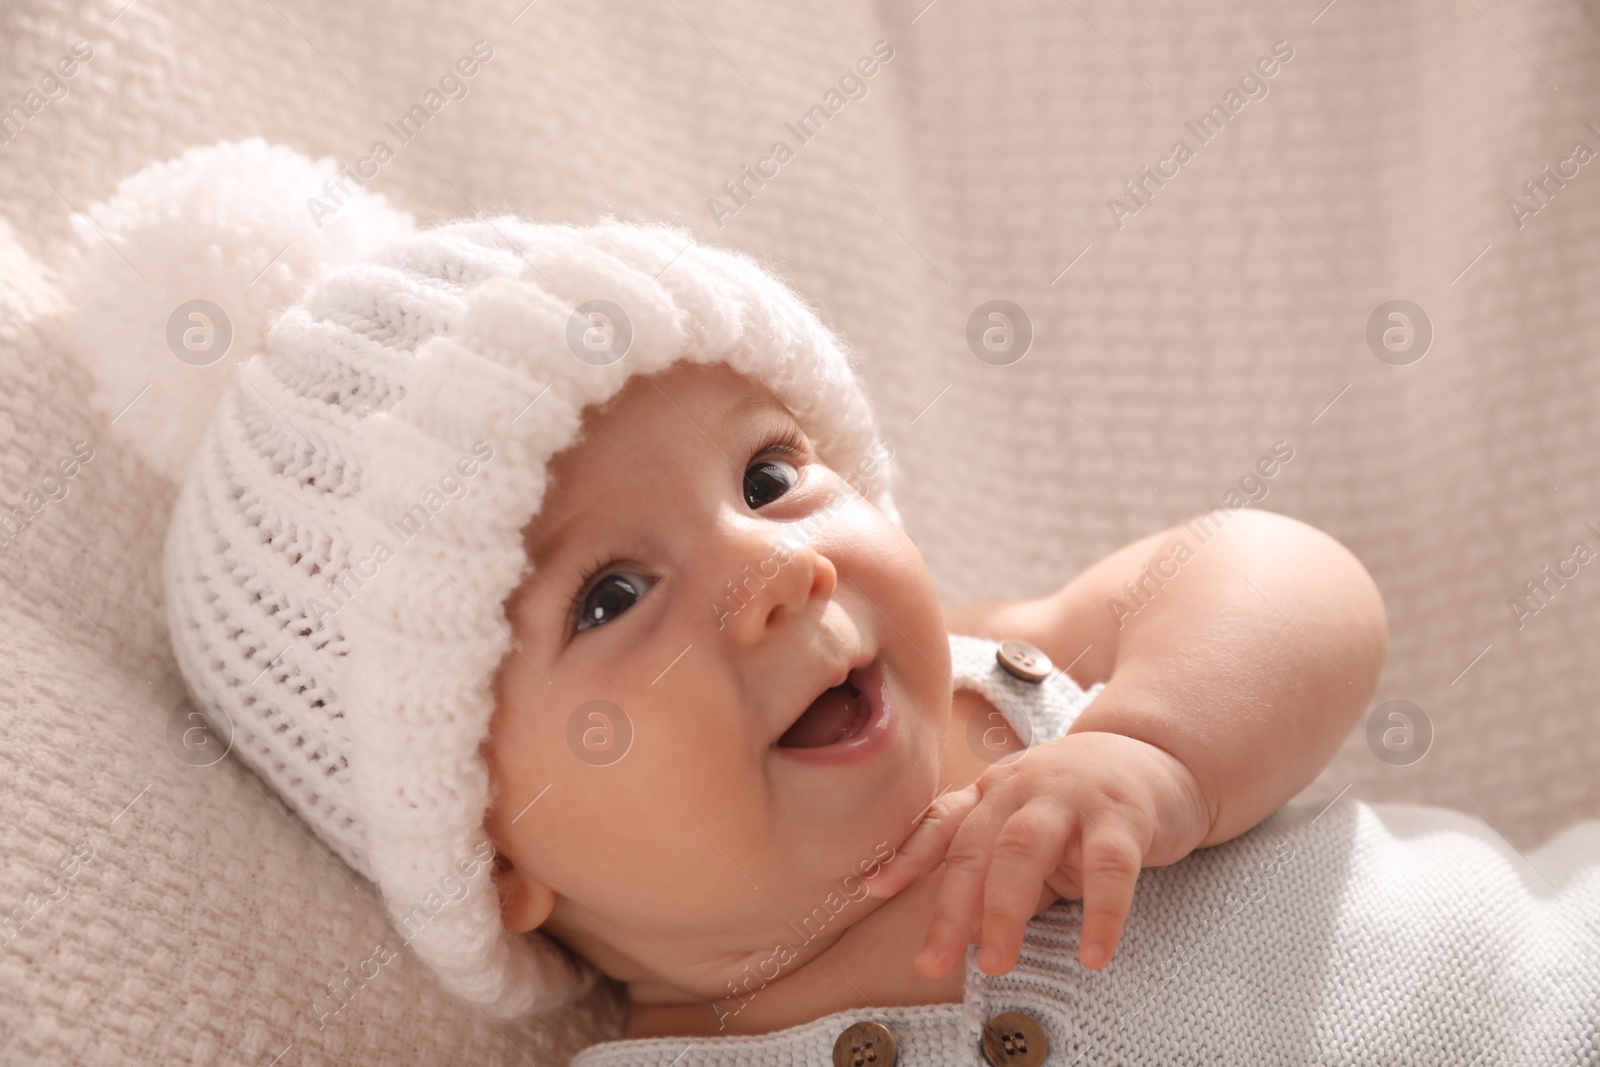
{"x": 766, "y": 481}
{"x": 610, "y": 597}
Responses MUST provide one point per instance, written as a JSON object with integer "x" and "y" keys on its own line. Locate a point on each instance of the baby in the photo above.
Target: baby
{"x": 552, "y": 576}
{"x": 782, "y": 738}
{"x": 763, "y": 676}
{"x": 768, "y": 695}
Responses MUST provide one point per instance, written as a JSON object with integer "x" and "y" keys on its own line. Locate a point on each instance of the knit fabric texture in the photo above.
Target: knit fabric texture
{"x": 352, "y": 520}
{"x": 1355, "y": 933}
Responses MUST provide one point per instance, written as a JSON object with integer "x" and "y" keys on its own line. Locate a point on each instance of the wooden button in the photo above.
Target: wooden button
{"x": 865, "y": 1044}
{"x": 1012, "y": 1039}
{"x": 1024, "y": 661}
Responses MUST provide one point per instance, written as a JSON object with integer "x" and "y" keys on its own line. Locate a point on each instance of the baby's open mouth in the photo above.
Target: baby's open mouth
{"x": 840, "y": 713}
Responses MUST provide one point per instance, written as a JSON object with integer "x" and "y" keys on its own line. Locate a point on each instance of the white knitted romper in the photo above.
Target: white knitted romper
{"x": 1349, "y": 934}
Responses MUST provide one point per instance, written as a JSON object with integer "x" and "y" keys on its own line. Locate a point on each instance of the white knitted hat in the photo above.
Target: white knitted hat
{"x": 350, "y": 520}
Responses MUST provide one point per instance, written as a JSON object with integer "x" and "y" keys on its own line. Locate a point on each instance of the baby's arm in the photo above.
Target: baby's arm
{"x": 1250, "y": 665}
{"x": 1231, "y": 678}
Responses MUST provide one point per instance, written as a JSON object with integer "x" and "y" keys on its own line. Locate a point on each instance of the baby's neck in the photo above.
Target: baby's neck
{"x": 869, "y": 966}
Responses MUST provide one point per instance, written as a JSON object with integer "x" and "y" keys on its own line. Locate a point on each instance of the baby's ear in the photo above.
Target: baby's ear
{"x": 525, "y": 902}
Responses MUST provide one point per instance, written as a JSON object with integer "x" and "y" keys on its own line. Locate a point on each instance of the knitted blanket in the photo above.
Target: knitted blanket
{"x": 1180, "y": 326}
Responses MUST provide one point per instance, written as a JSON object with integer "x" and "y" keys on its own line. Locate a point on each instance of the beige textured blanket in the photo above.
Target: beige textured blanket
{"x": 1190, "y": 309}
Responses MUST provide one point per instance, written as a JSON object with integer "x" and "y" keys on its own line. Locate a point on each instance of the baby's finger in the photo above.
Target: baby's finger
{"x": 1028, "y": 848}
{"x": 1065, "y": 882}
{"x": 925, "y": 848}
{"x": 957, "y": 913}
{"x": 1112, "y": 859}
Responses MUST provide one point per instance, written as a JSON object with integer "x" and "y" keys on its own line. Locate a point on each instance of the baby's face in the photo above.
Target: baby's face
{"x": 711, "y": 586}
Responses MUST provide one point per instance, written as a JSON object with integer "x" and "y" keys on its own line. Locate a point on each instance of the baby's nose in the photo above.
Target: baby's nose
{"x": 777, "y": 579}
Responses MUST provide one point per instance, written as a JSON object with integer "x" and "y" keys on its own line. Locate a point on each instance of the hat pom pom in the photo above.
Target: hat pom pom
{"x": 178, "y": 275}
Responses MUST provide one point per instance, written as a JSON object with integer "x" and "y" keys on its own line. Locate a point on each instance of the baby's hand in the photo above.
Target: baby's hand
{"x": 1079, "y": 816}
